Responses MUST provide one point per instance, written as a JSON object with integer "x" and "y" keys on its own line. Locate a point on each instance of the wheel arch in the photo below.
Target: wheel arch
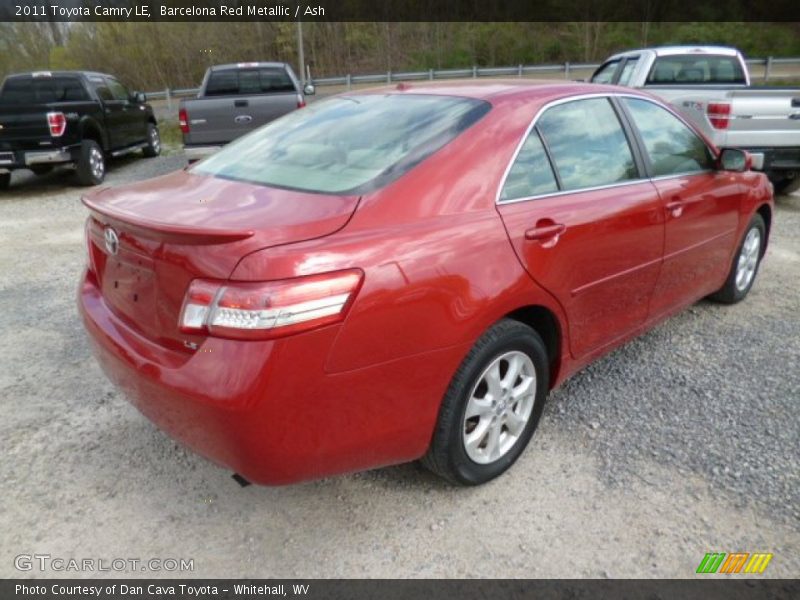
{"x": 766, "y": 213}
{"x": 91, "y": 130}
{"x": 546, "y": 323}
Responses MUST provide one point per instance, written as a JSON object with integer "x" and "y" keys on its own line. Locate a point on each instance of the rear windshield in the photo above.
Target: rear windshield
{"x": 266, "y": 80}
{"x": 700, "y": 68}
{"x": 346, "y": 144}
{"x": 41, "y": 90}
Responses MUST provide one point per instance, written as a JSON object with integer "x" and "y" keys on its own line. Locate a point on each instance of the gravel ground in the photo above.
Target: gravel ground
{"x": 685, "y": 441}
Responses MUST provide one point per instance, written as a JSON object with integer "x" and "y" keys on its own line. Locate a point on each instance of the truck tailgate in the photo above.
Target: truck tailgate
{"x": 765, "y": 117}
{"x": 219, "y": 120}
{"x": 22, "y": 124}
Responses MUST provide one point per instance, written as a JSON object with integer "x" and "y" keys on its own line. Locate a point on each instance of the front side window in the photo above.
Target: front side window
{"x": 605, "y": 74}
{"x": 347, "y": 144}
{"x": 118, "y": 91}
{"x": 587, "y": 144}
{"x": 531, "y": 173}
{"x": 671, "y": 146}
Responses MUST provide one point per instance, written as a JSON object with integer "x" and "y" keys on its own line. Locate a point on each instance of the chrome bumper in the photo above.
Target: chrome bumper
{"x": 194, "y": 153}
{"x": 50, "y": 156}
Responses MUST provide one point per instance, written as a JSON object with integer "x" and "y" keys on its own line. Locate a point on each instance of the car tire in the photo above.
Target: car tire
{"x": 470, "y": 448}
{"x": 746, "y": 261}
{"x": 153, "y": 147}
{"x": 787, "y": 186}
{"x": 5, "y": 181}
{"x": 91, "y": 167}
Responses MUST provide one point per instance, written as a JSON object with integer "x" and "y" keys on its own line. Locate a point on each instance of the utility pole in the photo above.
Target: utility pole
{"x": 300, "y": 56}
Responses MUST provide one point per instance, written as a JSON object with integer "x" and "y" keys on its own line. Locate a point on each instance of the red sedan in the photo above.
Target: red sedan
{"x": 405, "y": 273}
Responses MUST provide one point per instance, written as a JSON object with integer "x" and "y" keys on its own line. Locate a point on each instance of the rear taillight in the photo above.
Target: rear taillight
{"x": 719, "y": 114}
{"x": 268, "y": 309}
{"x": 301, "y": 101}
{"x": 183, "y": 120}
{"x": 57, "y": 123}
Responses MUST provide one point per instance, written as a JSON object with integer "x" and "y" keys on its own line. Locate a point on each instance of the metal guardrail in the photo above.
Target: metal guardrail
{"x": 475, "y": 72}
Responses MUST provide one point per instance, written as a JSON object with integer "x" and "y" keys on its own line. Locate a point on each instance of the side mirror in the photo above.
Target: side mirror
{"x": 734, "y": 159}
{"x": 309, "y": 89}
{"x": 138, "y": 97}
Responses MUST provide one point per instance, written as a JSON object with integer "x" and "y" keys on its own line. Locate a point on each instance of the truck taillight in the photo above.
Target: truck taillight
{"x": 719, "y": 114}
{"x": 57, "y": 123}
{"x": 271, "y": 309}
{"x": 183, "y": 120}
{"x": 301, "y": 102}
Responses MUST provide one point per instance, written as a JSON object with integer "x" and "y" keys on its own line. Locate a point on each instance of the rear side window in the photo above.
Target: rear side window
{"x": 348, "y": 144}
{"x": 531, "y": 173}
{"x": 696, "y": 68}
{"x": 627, "y": 70}
{"x": 587, "y": 144}
{"x": 672, "y": 147}
{"x": 265, "y": 80}
{"x": 41, "y": 90}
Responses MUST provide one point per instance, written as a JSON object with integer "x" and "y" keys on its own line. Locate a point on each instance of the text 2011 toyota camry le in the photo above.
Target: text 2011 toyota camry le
{"x": 405, "y": 273}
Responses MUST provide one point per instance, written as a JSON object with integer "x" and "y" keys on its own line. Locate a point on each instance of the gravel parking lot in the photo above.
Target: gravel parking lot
{"x": 683, "y": 442}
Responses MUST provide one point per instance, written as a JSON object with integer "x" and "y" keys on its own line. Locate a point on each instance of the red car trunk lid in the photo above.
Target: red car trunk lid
{"x": 147, "y": 241}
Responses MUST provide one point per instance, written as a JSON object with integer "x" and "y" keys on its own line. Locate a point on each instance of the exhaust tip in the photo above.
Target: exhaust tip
{"x": 240, "y": 480}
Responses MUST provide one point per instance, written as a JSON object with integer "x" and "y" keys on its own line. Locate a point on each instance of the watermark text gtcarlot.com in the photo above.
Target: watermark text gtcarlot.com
{"x": 57, "y": 564}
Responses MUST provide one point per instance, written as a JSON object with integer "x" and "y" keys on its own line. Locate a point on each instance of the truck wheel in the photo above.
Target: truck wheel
{"x": 153, "y": 147}
{"x": 5, "y": 180}
{"x": 91, "y": 167}
{"x": 787, "y": 186}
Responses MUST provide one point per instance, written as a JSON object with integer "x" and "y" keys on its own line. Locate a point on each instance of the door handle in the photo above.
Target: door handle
{"x": 545, "y": 230}
{"x": 240, "y": 103}
{"x": 675, "y": 207}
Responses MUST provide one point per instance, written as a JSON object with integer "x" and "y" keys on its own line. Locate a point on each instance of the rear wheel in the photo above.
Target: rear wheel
{"x": 153, "y": 147}
{"x": 5, "y": 180}
{"x": 745, "y": 263}
{"x": 91, "y": 167}
{"x": 492, "y": 406}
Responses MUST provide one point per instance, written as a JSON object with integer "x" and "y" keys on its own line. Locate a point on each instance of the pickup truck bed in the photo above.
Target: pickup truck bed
{"x": 236, "y": 99}
{"x": 760, "y": 119}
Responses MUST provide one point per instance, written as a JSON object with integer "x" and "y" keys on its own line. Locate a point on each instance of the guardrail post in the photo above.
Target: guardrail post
{"x": 169, "y": 99}
{"x": 349, "y": 81}
{"x": 519, "y": 70}
{"x": 474, "y": 72}
{"x": 767, "y": 68}
{"x": 566, "y": 70}
{"x": 430, "y": 74}
{"x": 388, "y": 77}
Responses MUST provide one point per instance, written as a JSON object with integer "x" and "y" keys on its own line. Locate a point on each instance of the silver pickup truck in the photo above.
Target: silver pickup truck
{"x": 233, "y": 100}
{"x": 710, "y": 85}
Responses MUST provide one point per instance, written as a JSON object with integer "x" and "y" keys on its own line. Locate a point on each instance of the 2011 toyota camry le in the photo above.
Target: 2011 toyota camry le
{"x": 405, "y": 273}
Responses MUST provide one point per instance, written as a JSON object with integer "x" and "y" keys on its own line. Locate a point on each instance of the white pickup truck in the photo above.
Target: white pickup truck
{"x": 710, "y": 85}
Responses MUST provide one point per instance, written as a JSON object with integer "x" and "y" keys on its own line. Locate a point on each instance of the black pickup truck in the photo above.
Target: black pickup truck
{"x": 76, "y": 118}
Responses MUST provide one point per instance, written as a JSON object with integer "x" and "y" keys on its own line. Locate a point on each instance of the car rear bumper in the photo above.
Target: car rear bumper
{"x": 194, "y": 153}
{"x": 778, "y": 159}
{"x": 268, "y": 410}
{"x": 21, "y": 159}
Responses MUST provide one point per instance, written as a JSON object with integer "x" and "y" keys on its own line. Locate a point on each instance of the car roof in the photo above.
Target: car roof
{"x": 498, "y": 91}
{"x": 49, "y": 73}
{"x": 687, "y": 49}
{"x": 248, "y": 65}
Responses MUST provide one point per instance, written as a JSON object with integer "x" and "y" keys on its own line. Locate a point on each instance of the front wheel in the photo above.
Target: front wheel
{"x": 492, "y": 406}
{"x": 745, "y": 263}
{"x": 153, "y": 147}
